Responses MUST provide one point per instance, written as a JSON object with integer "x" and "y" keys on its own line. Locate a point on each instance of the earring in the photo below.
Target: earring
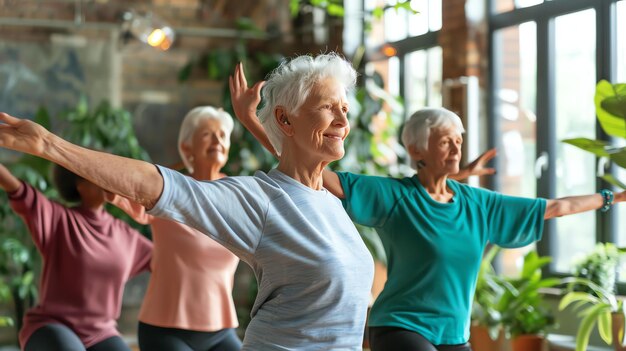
{"x": 286, "y": 121}
{"x": 421, "y": 164}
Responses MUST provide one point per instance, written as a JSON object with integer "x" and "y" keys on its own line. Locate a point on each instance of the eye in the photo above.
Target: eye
{"x": 327, "y": 106}
{"x": 344, "y": 109}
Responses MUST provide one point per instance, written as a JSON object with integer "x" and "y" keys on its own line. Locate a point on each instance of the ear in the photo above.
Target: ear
{"x": 415, "y": 153}
{"x": 186, "y": 149}
{"x": 283, "y": 120}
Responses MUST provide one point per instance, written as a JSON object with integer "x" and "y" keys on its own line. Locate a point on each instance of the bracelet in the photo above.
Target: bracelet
{"x": 607, "y": 197}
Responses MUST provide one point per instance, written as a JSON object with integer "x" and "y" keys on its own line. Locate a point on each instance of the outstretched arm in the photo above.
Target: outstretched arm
{"x": 477, "y": 167}
{"x": 576, "y": 204}
{"x": 137, "y": 180}
{"x": 8, "y": 182}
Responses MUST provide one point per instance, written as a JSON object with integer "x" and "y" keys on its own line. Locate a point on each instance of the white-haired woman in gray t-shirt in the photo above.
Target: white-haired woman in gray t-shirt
{"x": 313, "y": 270}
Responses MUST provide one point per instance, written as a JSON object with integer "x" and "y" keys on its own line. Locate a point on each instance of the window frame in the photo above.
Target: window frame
{"x": 606, "y": 68}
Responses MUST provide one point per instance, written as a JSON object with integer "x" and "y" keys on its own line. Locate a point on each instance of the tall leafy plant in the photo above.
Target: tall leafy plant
{"x": 521, "y": 306}
{"x": 610, "y": 102}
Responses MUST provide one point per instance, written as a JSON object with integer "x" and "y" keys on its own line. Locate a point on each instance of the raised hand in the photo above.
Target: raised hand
{"x": 22, "y": 135}
{"x": 245, "y": 100}
{"x": 477, "y": 167}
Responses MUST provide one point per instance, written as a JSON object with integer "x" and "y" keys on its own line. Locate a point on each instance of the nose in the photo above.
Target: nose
{"x": 341, "y": 118}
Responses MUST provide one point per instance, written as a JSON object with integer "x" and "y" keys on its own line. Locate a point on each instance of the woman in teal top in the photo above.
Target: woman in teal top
{"x": 434, "y": 230}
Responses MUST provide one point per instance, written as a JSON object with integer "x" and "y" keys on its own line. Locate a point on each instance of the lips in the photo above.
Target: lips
{"x": 338, "y": 137}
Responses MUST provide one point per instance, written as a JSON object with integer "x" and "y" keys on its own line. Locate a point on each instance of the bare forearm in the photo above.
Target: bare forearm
{"x": 136, "y": 180}
{"x": 254, "y": 126}
{"x": 573, "y": 204}
{"x": 8, "y": 182}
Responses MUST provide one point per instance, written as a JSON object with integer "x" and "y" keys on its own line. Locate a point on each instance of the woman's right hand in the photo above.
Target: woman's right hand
{"x": 245, "y": 100}
{"x": 22, "y": 135}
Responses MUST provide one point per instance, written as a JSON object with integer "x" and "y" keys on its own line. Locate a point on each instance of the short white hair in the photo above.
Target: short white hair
{"x": 289, "y": 86}
{"x": 191, "y": 122}
{"x": 417, "y": 129}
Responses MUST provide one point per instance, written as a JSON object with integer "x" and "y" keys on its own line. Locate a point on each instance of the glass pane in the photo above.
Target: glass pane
{"x": 376, "y": 35}
{"x": 419, "y": 21}
{"x": 575, "y": 66}
{"x": 389, "y": 71}
{"x": 434, "y": 15}
{"x": 435, "y": 62}
{"x": 500, "y": 6}
{"x": 395, "y": 23}
{"x": 527, "y": 3}
{"x": 515, "y": 106}
{"x": 422, "y": 79}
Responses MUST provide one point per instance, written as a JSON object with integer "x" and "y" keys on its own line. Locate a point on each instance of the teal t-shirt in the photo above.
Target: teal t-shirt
{"x": 434, "y": 249}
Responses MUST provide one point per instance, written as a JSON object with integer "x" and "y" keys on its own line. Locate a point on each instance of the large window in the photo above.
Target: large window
{"x": 547, "y": 57}
{"x": 412, "y": 68}
{"x": 515, "y": 110}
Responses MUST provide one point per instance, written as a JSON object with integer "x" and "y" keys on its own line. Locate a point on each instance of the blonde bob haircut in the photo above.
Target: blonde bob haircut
{"x": 191, "y": 122}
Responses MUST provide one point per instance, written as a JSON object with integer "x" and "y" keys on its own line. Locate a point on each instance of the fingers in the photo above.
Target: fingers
{"x": 257, "y": 88}
{"x": 242, "y": 76}
{"x": 8, "y": 119}
{"x": 488, "y": 155}
{"x": 231, "y": 85}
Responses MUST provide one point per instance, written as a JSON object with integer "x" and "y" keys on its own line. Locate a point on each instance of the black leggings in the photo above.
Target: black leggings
{"x": 398, "y": 339}
{"x": 153, "y": 338}
{"x": 57, "y": 337}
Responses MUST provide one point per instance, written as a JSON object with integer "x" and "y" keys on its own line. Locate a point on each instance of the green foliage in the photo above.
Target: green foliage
{"x": 334, "y": 8}
{"x": 610, "y": 102}
{"x": 599, "y": 267}
{"x": 521, "y": 305}
{"x": 104, "y": 128}
{"x": 593, "y": 295}
{"x": 489, "y": 291}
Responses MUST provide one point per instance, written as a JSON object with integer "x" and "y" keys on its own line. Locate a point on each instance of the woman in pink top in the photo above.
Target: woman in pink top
{"x": 88, "y": 255}
{"x": 189, "y": 305}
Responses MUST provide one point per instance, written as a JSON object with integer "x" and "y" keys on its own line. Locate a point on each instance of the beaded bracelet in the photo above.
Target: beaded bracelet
{"x": 607, "y": 196}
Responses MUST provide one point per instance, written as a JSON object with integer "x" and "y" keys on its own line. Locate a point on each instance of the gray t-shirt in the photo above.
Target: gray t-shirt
{"x": 313, "y": 270}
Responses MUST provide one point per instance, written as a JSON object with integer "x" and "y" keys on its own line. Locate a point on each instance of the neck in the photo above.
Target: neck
{"x": 92, "y": 206}
{"x": 308, "y": 173}
{"x": 206, "y": 171}
{"x": 434, "y": 184}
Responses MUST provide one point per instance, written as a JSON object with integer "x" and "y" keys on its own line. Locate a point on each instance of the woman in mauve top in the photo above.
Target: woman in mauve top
{"x": 88, "y": 255}
{"x": 188, "y": 305}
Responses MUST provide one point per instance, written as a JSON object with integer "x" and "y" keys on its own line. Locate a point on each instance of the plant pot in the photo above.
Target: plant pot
{"x": 616, "y": 326}
{"x": 529, "y": 342}
{"x": 481, "y": 341}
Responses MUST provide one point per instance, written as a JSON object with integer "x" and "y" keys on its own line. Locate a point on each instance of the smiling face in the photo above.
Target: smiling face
{"x": 444, "y": 151}
{"x": 318, "y": 129}
{"x": 209, "y": 144}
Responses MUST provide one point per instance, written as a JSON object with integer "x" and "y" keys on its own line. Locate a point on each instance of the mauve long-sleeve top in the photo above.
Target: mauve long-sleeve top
{"x": 87, "y": 258}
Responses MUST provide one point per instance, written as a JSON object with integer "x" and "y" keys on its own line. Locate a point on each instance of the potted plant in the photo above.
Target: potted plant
{"x": 525, "y": 317}
{"x": 593, "y": 297}
{"x": 486, "y": 327}
{"x": 610, "y": 101}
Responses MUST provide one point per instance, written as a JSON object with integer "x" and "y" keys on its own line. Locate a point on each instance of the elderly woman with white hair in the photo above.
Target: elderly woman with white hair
{"x": 434, "y": 229}
{"x": 188, "y": 305}
{"x": 313, "y": 270}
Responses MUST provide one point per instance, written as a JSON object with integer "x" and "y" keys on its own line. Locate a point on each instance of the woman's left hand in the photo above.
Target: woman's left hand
{"x": 477, "y": 167}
